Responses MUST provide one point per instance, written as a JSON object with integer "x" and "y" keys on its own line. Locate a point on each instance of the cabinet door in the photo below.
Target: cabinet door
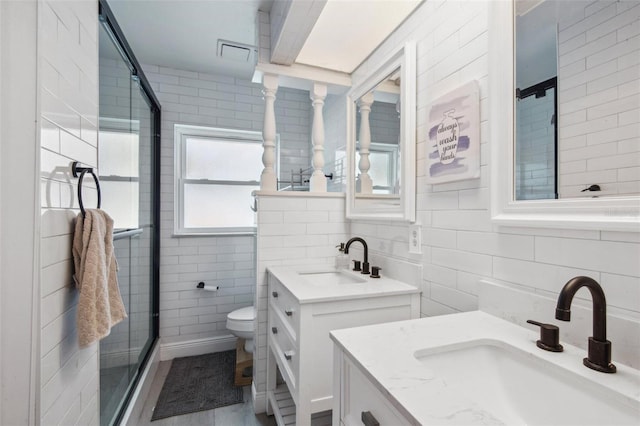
{"x": 362, "y": 403}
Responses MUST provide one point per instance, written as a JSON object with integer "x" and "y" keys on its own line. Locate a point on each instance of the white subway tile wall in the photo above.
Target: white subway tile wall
{"x": 599, "y": 99}
{"x": 460, "y": 245}
{"x": 68, "y": 58}
{"x": 535, "y": 150}
{"x": 187, "y": 313}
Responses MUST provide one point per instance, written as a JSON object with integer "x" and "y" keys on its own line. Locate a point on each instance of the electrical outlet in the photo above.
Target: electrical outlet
{"x": 415, "y": 239}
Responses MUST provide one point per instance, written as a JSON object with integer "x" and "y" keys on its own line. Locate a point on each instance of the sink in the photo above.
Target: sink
{"x": 506, "y": 385}
{"x": 323, "y": 278}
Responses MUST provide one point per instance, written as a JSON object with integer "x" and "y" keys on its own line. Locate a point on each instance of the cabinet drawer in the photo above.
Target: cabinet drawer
{"x": 285, "y": 305}
{"x": 285, "y": 350}
{"x": 361, "y": 396}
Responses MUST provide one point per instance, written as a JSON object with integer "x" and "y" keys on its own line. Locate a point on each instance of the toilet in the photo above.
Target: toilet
{"x": 240, "y": 323}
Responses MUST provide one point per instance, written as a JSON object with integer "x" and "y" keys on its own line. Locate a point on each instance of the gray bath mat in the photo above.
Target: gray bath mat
{"x": 198, "y": 383}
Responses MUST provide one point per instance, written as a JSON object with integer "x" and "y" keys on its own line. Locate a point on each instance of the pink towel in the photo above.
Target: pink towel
{"x": 100, "y": 306}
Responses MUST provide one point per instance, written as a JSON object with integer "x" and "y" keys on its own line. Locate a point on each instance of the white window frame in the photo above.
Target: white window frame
{"x": 181, "y": 133}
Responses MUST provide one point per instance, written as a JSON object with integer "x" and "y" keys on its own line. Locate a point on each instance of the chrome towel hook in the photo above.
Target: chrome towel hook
{"x": 79, "y": 172}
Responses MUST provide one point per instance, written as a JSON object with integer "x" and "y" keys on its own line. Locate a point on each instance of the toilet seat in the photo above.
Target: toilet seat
{"x": 241, "y": 319}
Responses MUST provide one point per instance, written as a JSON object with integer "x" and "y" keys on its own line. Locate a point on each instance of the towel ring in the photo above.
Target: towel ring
{"x": 79, "y": 172}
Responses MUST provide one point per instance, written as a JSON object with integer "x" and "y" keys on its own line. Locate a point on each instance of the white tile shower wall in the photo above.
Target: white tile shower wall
{"x": 599, "y": 98}
{"x": 293, "y": 124}
{"x": 294, "y": 228}
{"x": 460, "y": 244}
{"x": 68, "y": 62}
{"x": 227, "y": 261}
{"x": 335, "y": 132}
{"x": 535, "y": 150}
{"x": 384, "y": 123}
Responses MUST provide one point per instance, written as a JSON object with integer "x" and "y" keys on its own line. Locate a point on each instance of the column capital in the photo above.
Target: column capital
{"x": 270, "y": 82}
{"x": 318, "y": 90}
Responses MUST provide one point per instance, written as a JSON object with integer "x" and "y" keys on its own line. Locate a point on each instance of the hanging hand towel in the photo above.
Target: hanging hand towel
{"x": 100, "y": 305}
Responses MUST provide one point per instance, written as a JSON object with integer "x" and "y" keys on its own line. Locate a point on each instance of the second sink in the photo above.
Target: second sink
{"x": 507, "y": 385}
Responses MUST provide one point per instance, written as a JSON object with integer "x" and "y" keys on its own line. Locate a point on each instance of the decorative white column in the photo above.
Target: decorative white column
{"x": 268, "y": 178}
{"x": 318, "y": 182}
{"x": 366, "y": 184}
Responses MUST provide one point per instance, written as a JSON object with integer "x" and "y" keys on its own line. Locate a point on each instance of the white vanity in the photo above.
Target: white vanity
{"x": 474, "y": 369}
{"x": 304, "y": 306}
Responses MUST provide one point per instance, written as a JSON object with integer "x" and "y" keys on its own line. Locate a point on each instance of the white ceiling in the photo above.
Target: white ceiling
{"x": 347, "y": 31}
{"x": 184, "y": 34}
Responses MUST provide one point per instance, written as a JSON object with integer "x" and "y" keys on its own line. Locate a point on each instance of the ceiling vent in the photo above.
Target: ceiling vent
{"x": 237, "y": 52}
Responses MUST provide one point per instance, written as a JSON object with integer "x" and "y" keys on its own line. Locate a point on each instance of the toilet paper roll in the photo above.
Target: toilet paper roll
{"x": 210, "y": 288}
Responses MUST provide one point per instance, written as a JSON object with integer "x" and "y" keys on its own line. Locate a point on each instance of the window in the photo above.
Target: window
{"x": 216, "y": 171}
{"x": 383, "y": 159}
{"x": 119, "y": 170}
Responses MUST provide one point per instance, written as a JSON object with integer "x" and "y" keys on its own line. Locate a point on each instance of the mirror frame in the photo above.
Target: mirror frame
{"x": 377, "y": 206}
{"x": 609, "y": 213}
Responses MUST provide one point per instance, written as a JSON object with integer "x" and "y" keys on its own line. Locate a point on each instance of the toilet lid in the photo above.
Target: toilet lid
{"x": 243, "y": 314}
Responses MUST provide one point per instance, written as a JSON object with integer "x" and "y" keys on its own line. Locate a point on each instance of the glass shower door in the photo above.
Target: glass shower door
{"x": 127, "y": 164}
{"x": 141, "y": 247}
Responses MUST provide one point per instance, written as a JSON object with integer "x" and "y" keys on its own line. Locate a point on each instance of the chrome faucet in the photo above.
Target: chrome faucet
{"x": 599, "y": 352}
{"x": 365, "y": 262}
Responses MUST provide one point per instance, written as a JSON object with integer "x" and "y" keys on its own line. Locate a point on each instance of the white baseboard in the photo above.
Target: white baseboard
{"x": 259, "y": 400}
{"x": 139, "y": 397}
{"x": 171, "y": 350}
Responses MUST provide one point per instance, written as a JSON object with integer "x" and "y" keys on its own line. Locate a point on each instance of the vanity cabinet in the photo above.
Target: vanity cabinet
{"x": 299, "y": 344}
{"x": 358, "y": 401}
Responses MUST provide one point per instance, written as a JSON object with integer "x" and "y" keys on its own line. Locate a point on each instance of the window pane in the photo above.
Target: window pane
{"x": 120, "y": 200}
{"x": 380, "y": 162}
{"x": 118, "y": 153}
{"x": 218, "y": 206}
{"x": 379, "y": 171}
{"x": 216, "y": 159}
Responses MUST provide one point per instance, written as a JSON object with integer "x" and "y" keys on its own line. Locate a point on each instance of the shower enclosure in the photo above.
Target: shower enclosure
{"x": 128, "y": 163}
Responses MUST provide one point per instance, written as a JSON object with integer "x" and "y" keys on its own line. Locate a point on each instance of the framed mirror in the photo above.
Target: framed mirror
{"x": 564, "y": 110}
{"x": 381, "y": 127}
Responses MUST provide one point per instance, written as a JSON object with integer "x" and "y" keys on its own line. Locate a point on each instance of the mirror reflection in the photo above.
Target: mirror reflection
{"x": 377, "y": 158}
{"x": 577, "y": 100}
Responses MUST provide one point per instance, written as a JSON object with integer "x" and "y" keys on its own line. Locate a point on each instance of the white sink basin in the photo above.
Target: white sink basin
{"x": 505, "y": 385}
{"x": 323, "y": 278}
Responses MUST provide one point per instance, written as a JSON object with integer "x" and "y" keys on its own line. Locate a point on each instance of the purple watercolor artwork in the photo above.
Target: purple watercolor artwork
{"x": 454, "y": 136}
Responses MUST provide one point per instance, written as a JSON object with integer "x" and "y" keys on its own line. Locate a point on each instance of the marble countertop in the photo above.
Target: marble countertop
{"x": 385, "y": 353}
{"x": 305, "y": 291}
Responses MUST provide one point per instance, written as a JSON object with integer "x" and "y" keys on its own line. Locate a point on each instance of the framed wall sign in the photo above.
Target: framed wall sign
{"x": 454, "y": 136}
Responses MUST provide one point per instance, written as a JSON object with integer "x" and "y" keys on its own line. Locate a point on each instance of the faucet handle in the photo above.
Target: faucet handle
{"x": 375, "y": 271}
{"x": 340, "y": 247}
{"x": 549, "y": 337}
{"x": 356, "y": 265}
